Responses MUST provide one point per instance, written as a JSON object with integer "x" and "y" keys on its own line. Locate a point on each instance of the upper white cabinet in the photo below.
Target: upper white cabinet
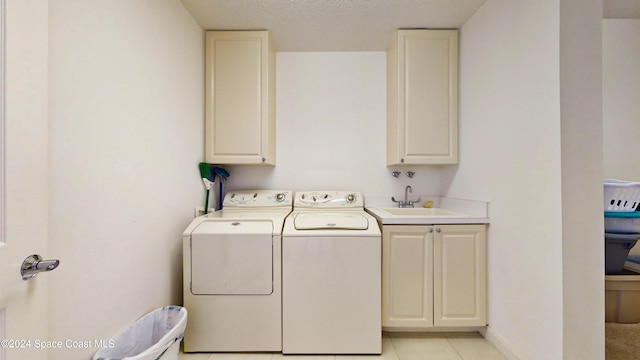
{"x": 422, "y": 97}
{"x": 240, "y": 98}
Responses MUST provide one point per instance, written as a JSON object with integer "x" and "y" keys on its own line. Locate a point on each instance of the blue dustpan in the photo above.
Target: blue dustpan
{"x": 223, "y": 175}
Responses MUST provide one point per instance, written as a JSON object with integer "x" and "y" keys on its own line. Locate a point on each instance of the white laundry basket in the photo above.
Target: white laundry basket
{"x": 156, "y": 335}
{"x": 622, "y": 196}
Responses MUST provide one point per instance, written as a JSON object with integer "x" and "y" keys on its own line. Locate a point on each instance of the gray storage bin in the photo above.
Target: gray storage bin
{"x": 616, "y": 250}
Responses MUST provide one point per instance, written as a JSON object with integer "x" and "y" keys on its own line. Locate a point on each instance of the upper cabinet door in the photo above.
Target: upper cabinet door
{"x": 240, "y": 98}
{"x": 422, "y": 97}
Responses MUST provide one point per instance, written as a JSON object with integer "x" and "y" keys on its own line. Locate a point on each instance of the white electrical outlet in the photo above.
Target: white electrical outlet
{"x": 199, "y": 211}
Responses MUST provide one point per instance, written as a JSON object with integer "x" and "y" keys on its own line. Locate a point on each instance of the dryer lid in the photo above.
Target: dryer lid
{"x": 331, "y": 220}
{"x": 234, "y": 226}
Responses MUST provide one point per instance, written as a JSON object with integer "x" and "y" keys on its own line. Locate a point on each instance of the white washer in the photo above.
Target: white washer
{"x": 331, "y": 276}
{"x": 232, "y": 274}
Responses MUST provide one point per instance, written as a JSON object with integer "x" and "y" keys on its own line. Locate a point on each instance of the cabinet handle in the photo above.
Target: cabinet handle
{"x": 430, "y": 230}
{"x": 264, "y": 159}
{"x": 438, "y": 230}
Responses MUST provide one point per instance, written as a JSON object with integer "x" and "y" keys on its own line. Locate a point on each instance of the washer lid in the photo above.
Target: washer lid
{"x": 330, "y": 220}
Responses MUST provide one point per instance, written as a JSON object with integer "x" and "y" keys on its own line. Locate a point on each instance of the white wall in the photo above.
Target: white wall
{"x": 509, "y": 156}
{"x": 582, "y": 190}
{"x": 331, "y": 116}
{"x": 621, "y": 98}
{"x": 537, "y": 159}
{"x": 126, "y": 135}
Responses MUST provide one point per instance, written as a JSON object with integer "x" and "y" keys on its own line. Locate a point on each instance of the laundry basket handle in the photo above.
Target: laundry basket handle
{"x": 171, "y": 342}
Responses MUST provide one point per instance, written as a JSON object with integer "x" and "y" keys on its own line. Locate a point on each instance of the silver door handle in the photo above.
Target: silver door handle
{"x": 34, "y": 264}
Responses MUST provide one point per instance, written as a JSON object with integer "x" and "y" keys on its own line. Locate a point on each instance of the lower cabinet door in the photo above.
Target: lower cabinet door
{"x": 459, "y": 275}
{"x": 407, "y": 272}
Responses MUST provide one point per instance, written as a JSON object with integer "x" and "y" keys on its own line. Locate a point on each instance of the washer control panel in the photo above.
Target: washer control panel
{"x": 328, "y": 200}
{"x": 258, "y": 199}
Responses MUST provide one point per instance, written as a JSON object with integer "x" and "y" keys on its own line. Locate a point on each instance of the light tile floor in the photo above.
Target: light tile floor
{"x": 395, "y": 346}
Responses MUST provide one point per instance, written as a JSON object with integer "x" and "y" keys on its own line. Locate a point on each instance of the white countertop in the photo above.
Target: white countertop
{"x": 465, "y": 211}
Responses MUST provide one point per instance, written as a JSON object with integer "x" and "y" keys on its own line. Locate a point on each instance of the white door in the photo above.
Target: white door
{"x": 23, "y": 176}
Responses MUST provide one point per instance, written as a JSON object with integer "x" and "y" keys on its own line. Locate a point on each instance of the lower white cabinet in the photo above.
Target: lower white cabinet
{"x": 433, "y": 276}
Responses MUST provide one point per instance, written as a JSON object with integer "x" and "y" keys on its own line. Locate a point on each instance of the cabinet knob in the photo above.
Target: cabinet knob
{"x": 402, "y": 160}
{"x": 264, "y": 159}
{"x": 438, "y": 230}
{"x": 430, "y": 230}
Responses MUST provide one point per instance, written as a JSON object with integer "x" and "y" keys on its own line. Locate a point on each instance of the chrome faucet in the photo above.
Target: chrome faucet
{"x": 407, "y": 190}
{"x": 406, "y": 203}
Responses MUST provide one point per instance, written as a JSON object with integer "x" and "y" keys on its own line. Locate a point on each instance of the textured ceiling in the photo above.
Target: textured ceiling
{"x": 331, "y": 25}
{"x": 349, "y": 25}
{"x": 621, "y": 9}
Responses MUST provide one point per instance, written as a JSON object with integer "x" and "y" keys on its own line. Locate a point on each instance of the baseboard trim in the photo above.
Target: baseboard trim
{"x": 417, "y": 330}
{"x": 501, "y": 344}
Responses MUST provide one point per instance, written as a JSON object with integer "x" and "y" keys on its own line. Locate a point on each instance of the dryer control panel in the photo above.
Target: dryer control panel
{"x": 328, "y": 200}
{"x": 257, "y": 199}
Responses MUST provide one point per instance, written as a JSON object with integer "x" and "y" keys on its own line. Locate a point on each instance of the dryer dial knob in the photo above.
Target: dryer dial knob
{"x": 280, "y": 197}
{"x": 351, "y": 198}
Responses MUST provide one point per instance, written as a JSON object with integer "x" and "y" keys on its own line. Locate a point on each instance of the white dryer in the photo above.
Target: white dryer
{"x": 331, "y": 276}
{"x": 232, "y": 274}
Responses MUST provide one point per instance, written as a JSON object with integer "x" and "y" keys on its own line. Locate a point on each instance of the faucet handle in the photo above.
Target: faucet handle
{"x": 411, "y": 202}
{"x": 400, "y": 202}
